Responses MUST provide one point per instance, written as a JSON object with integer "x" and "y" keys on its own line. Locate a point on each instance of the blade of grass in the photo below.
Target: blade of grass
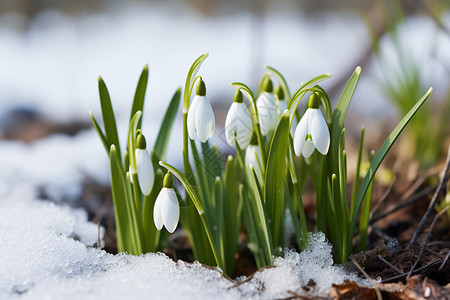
{"x": 139, "y": 96}
{"x": 275, "y": 173}
{"x": 109, "y": 120}
{"x": 379, "y": 158}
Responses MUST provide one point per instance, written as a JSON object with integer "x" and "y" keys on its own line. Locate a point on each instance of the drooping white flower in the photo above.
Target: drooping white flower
{"x": 238, "y": 124}
{"x": 166, "y": 211}
{"x": 253, "y": 158}
{"x": 312, "y": 131}
{"x": 144, "y": 166}
{"x": 200, "y": 117}
{"x": 267, "y": 109}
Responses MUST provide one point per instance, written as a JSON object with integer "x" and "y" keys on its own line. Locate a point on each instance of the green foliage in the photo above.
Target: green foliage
{"x": 221, "y": 198}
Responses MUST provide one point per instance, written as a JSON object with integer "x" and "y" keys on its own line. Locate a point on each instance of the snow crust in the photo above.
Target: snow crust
{"x": 40, "y": 259}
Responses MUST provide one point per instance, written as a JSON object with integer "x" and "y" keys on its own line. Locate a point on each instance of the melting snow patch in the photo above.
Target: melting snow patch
{"x": 309, "y": 273}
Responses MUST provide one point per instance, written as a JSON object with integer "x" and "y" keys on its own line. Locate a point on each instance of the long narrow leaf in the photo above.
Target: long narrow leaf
{"x": 109, "y": 120}
{"x": 380, "y": 156}
{"x": 139, "y": 96}
{"x": 275, "y": 173}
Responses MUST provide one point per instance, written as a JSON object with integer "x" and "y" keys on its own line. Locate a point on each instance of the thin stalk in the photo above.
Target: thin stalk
{"x": 358, "y": 170}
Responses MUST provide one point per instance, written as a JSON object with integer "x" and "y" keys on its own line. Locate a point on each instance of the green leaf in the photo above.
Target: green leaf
{"x": 150, "y": 232}
{"x": 338, "y": 117}
{"x": 119, "y": 199}
{"x": 100, "y": 132}
{"x": 109, "y": 120}
{"x": 139, "y": 96}
{"x": 162, "y": 140}
{"x": 232, "y": 209}
{"x": 275, "y": 173}
{"x": 379, "y": 158}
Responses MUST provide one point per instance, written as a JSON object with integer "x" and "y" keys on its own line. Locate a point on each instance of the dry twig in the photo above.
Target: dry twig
{"x": 433, "y": 201}
{"x": 377, "y": 290}
{"x": 422, "y": 248}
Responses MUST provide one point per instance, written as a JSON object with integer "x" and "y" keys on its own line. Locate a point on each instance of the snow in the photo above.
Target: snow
{"x": 40, "y": 259}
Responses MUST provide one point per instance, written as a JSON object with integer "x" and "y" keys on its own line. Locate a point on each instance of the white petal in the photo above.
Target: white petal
{"x": 231, "y": 123}
{"x": 267, "y": 112}
{"x": 170, "y": 210}
{"x": 244, "y": 130}
{"x": 191, "y": 117}
{"x": 157, "y": 219}
{"x": 204, "y": 120}
{"x": 145, "y": 173}
{"x": 319, "y": 131}
{"x": 300, "y": 133}
{"x": 239, "y": 123}
{"x": 308, "y": 148}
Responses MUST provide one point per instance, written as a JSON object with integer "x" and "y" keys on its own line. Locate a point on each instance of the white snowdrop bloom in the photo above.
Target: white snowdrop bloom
{"x": 144, "y": 166}
{"x": 267, "y": 109}
{"x": 253, "y": 157}
{"x": 200, "y": 118}
{"x": 238, "y": 124}
{"x": 166, "y": 211}
{"x": 312, "y": 131}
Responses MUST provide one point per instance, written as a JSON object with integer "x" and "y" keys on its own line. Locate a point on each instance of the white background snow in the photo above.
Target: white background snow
{"x": 44, "y": 247}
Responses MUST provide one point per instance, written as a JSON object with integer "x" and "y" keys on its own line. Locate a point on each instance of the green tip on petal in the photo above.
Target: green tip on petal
{"x": 168, "y": 180}
{"x": 201, "y": 88}
{"x": 141, "y": 143}
{"x": 314, "y": 101}
{"x": 238, "y": 97}
{"x": 279, "y": 92}
{"x": 268, "y": 86}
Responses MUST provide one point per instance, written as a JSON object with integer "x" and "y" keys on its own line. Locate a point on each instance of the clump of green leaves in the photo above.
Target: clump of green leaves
{"x": 260, "y": 185}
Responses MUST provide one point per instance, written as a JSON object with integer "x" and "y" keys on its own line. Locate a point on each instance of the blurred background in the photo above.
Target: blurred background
{"x": 52, "y": 51}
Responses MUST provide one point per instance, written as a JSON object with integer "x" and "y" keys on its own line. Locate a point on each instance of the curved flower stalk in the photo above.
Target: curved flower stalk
{"x": 200, "y": 117}
{"x": 283, "y": 105}
{"x": 167, "y": 210}
{"x": 144, "y": 166}
{"x": 238, "y": 124}
{"x": 267, "y": 108}
{"x": 312, "y": 130}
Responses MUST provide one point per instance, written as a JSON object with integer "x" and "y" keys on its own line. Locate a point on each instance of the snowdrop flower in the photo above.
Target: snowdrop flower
{"x": 167, "y": 210}
{"x": 253, "y": 157}
{"x": 282, "y": 106}
{"x": 200, "y": 118}
{"x": 267, "y": 109}
{"x": 312, "y": 131}
{"x": 144, "y": 166}
{"x": 238, "y": 123}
